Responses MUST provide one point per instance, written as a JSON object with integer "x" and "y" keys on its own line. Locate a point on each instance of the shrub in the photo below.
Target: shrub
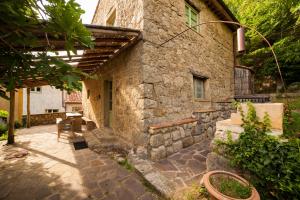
{"x": 3, "y": 114}
{"x": 3, "y": 129}
{"x": 3, "y": 136}
{"x": 275, "y": 164}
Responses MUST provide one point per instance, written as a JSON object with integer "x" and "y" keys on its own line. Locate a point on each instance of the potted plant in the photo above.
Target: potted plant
{"x": 222, "y": 185}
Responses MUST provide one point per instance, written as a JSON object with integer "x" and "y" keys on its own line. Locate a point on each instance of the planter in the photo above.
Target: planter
{"x": 210, "y": 181}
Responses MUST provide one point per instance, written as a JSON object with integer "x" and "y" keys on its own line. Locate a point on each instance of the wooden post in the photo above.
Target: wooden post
{"x": 28, "y": 124}
{"x": 11, "y": 121}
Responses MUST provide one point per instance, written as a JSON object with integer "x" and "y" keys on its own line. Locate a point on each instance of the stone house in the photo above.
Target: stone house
{"x": 44, "y": 99}
{"x": 73, "y": 101}
{"x": 165, "y": 97}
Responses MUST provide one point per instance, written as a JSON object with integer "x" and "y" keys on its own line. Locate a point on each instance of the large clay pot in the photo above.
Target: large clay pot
{"x": 216, "y": 195}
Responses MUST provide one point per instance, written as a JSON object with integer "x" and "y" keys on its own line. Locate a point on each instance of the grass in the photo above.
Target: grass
{"x": 125, "y": 163}
{"x": 294, "y": 103}
{"x": 230, "y": 187}
{"x": 196, "y": 192}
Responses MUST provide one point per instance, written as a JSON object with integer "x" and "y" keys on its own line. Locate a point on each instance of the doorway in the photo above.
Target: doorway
{"x": 108, "y": 103}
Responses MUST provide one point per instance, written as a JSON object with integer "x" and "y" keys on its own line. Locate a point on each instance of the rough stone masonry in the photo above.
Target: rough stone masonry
{"x": 153, "y": 85}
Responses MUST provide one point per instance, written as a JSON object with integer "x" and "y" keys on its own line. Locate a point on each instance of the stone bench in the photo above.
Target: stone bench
{"x": 90, "y": 125}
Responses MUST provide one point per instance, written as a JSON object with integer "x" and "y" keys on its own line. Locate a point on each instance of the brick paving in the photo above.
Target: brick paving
{"x": 53, "y": 170}
{"x": 186, "y": 167}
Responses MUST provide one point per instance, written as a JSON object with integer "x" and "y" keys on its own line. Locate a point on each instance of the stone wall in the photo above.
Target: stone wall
{"x": 206, "y": 124}
{"x": 43, "y": 119}
{"x": 129, "y": 13}
{"x": 168, "y": 70}
{"x": 169, "y": 138}
{"x": 127, "y": 104}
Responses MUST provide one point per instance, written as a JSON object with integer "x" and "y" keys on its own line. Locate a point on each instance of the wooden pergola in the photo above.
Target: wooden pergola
{"x": 108, "y": 43}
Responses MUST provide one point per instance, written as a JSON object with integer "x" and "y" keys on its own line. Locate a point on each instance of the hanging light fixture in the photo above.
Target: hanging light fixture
{"x": 241, "y": 39}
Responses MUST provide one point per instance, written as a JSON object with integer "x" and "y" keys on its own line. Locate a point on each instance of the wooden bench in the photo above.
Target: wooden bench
{"x": 90, "y": 125}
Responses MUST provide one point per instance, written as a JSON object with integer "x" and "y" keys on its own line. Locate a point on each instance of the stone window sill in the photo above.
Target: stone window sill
{"x": 202, "y": 100}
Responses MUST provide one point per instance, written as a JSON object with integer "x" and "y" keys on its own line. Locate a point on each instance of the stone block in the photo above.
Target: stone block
{"x": 210, "y": 132}
{"x": 158, "y": 153}
{"x": 182, "y": 132}
{"x": 176, "y": 135}
{"x": 167, "y": 136}
{"x": 275, "y": 111}
{"x": 149, "y": 103}
{"x": 148, "y": 90}
{"x": 168, "y": 142}
{"x": 170, "y": 150}
{"x": 188, "y": 132}
{"x": 156, "y": 140}
{"x": 177, "y": 146}
{"x": 188, "y": 141}
{"x": 197, "y": 138}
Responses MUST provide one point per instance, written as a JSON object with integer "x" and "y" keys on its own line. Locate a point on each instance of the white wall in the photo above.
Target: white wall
{"x": 48, "y": 98}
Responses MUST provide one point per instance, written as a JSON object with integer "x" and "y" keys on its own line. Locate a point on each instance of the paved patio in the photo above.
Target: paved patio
{"x": 54, "y": 170}
{"x": 186, "y": 167}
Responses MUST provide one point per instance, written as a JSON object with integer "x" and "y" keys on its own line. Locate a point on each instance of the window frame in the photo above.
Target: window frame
{"x": 195, "y": 88}
{"x": 188, "y": 18}
{"x": 35, "y": 89}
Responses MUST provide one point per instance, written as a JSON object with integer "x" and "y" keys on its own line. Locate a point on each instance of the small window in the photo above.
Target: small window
{"x": 36, "y": 89}
{"x": 199, "y": 89}
{"x": 111, "y": 20}
{"x": 191, "y": 16}
{"x": 51, "y": 111}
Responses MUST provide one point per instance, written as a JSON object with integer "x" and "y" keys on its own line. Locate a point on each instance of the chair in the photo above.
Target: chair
{"x": 61, "y": 124}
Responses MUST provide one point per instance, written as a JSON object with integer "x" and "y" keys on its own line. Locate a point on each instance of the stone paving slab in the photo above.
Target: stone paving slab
{"x": 53, "y": 170}
{"x": 177, "y": 172}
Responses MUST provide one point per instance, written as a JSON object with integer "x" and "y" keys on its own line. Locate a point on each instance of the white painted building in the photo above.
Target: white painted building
{"x": 44, "y": 99}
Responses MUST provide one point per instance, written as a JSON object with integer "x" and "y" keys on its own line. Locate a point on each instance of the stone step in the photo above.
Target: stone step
{"x": 103, "y": 140}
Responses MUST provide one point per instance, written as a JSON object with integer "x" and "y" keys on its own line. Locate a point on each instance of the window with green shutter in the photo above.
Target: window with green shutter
{"x": 191, "y": 16}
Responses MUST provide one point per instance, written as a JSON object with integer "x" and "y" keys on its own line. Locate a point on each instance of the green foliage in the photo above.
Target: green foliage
{"x": 274, "y": 164}
{"x": 125, "y": 163}
{"x": 230, "y": 187}
{"x": 3, "y": 113}
{"x": 292, "y": 125}
{"x": 279, "y": 22}
{"x": 195, "y": 192}
{"x": 3, "y": 136}
{"x": 3, "y": 129}
{"x": 58, "y": 19}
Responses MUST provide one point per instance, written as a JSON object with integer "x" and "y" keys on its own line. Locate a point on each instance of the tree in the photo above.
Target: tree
{"x": 279, "y": 22}
{"x": 19, "y": 21}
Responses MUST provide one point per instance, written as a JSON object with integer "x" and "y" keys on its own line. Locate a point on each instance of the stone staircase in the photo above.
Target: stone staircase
{"x": 105, "y": 141}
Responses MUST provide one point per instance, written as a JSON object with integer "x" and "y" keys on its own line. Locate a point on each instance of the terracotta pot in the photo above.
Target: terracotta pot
{"x": 216, "y": 195}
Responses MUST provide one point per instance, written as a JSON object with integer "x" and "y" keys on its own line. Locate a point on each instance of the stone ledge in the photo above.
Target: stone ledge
{"x": 145, "y": 168}
{"x": 171, "y": 124}
{"x": 204, "y": 111}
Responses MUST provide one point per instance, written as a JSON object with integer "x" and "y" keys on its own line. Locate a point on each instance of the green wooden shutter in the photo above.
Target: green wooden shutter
{"x": 187, "y": 15}
{"x": 191, "y": 16}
